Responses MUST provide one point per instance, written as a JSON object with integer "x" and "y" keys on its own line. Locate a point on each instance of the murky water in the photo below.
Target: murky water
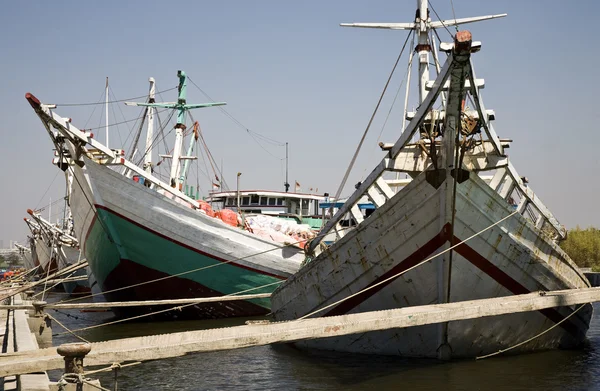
{"x": 283, "y": 367}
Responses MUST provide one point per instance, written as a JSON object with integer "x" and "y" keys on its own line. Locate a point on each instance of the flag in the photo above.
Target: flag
{"x": 215, "y": 186}
{"x": 297, "y": 186}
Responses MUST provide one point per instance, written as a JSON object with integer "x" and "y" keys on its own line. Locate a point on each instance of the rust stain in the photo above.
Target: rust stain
{"x": 332, "y": 329}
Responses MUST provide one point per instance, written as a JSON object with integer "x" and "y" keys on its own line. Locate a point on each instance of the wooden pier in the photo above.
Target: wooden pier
{"x": 263, "y": 333}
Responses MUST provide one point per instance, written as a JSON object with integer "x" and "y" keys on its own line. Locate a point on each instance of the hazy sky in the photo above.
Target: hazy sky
{"x": 289, "y": 72}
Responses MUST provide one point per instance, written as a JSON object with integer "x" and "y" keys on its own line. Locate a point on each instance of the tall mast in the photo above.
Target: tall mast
{"x": 179, "y": 129}
{"x": 423, "y": 47}
{"x": 287, "y": 183}
{"x": 182, "y": 107}
{"x": 150, "y": 131}
{"x": 106, "y": 107}
{"x": 193, "y": 140}
{"x": 422, "y": 25}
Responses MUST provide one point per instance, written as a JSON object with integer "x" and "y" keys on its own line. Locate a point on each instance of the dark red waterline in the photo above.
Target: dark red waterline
{"x": 466, "y": 252}
{"x": 129, "y": 274}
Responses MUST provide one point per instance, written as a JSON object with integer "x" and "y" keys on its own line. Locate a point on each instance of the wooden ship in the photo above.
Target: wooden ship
{"x": 448, "y": 236}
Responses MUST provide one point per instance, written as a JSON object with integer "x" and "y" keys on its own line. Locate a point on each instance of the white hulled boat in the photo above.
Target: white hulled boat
{"x": 63, "y": 250}
{"x": 390, "y": 259}
{"x": 145, "y": 239}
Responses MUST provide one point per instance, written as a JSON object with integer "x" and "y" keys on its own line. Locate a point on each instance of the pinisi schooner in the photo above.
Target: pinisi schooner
{"x": 146, "y": 239}
{"x": 448, "y": 236}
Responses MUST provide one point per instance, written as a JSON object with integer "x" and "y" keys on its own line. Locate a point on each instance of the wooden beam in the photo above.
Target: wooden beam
{"x": 177, "y": 344}
{"x": 138, "y": 303}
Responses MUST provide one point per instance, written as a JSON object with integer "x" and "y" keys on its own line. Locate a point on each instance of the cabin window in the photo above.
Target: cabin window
{"x": 272, "y": 201}
{"x": 230, "y": 201}
{"x": 280, "y": 201}
{"x": 245, "y": 200}
{"x": 305, "y": 210}
{"x": 254, "y": 199}
{"x": 263, "y": 200}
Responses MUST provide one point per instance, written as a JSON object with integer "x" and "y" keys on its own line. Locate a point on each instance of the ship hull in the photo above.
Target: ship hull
{"x": 46, "y": 258}
{"x": 133, "y": 235}
{"x": 74, "y": 288}
{"x": 513, "y": 257}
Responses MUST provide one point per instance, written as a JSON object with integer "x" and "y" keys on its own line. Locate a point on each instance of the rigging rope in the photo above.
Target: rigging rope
{"x": 111, "y": 101}
{"x": 392, "y": 105}
{"x": 46, "y": 192}
{"x": 340, "y": 189}
{"x": 252, "y": 133}
{"x": 441, "y": 21}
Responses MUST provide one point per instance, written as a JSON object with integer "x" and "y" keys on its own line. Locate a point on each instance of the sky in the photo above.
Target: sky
{"x": 290, "y": 73}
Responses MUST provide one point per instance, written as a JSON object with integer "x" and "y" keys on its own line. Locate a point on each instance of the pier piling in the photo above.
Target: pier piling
{"x": 41, "y": 325}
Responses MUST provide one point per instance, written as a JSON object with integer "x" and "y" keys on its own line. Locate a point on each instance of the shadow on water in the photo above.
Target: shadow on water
{"x": 282, "y": 366}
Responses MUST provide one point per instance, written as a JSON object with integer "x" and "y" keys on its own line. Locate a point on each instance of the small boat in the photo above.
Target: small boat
{"x": 41, "y": 249}
{"x": 449, "y": 235}
{"x": 63, "y": 248}
{"x": 26, "y": 255}
{"x": 146, "y": 239}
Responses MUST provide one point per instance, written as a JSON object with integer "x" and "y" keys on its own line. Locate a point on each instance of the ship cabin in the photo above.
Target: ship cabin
{"x": 302, "y": 207}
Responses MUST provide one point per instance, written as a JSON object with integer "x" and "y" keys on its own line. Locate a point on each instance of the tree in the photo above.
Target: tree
{"x": 13, "y": 259}
{"x": 583, "y": 246}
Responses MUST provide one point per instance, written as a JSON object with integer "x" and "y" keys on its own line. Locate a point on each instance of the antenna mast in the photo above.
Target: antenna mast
{"x": 287, "y": 183}
{"x": 106, "y": 116}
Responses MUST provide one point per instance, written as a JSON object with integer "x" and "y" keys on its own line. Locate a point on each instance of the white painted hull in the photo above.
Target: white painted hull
{"x": 46, "y": 259}
{"x": 97, "y": 187}
{"x": 513, "y": 257}
{"x": 28, "y": 260}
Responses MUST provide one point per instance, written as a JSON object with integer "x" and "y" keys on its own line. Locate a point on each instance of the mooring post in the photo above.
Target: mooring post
{"x": 73, "y": 378}
{"x": 29, "y": 294}
{"x": 74, "y": 354}
{"x": 41, "y": 325}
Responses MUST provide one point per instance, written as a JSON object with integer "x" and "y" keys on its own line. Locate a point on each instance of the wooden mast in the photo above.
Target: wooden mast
{"x": 150, "y": 130}
{"x": 182, "y": 107}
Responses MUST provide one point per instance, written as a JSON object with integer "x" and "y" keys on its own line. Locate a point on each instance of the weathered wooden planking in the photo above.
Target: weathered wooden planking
{"x": 177, "y": 344}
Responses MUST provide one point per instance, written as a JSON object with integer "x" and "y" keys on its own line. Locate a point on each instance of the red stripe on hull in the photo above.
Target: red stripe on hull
{"x": 466, "y": 252}
{"x": 423, "y": 252}
{"x": 508, "y": 282}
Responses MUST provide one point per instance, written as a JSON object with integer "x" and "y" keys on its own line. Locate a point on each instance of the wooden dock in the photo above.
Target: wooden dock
{"x": 263, "y": 333}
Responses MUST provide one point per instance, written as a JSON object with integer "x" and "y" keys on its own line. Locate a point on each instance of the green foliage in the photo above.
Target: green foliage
{"x": 583, "y": 246}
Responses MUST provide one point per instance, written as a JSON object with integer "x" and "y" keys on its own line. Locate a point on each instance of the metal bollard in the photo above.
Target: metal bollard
{"x": 74, "y": 379}
{"x": 74, "y": 354}
{"x": 40, "y": 324}
{"x": 38, "y": 308}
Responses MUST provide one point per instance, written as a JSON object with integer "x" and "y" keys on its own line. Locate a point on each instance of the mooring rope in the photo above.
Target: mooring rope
{"x": 196, "y": 270}
{"x": 66, "y": 328}
{"x": 177, "y": 308}
{"x": 113, "y": 366}
{"x": 33, "y": 285}
{"x": 407, "y": 270}
{"x": 532, "y": 338}
{"x": 60, "y": 281}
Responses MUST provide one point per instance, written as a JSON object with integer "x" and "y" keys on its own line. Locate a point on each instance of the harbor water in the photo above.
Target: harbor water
{"x": 282, "y": 367}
